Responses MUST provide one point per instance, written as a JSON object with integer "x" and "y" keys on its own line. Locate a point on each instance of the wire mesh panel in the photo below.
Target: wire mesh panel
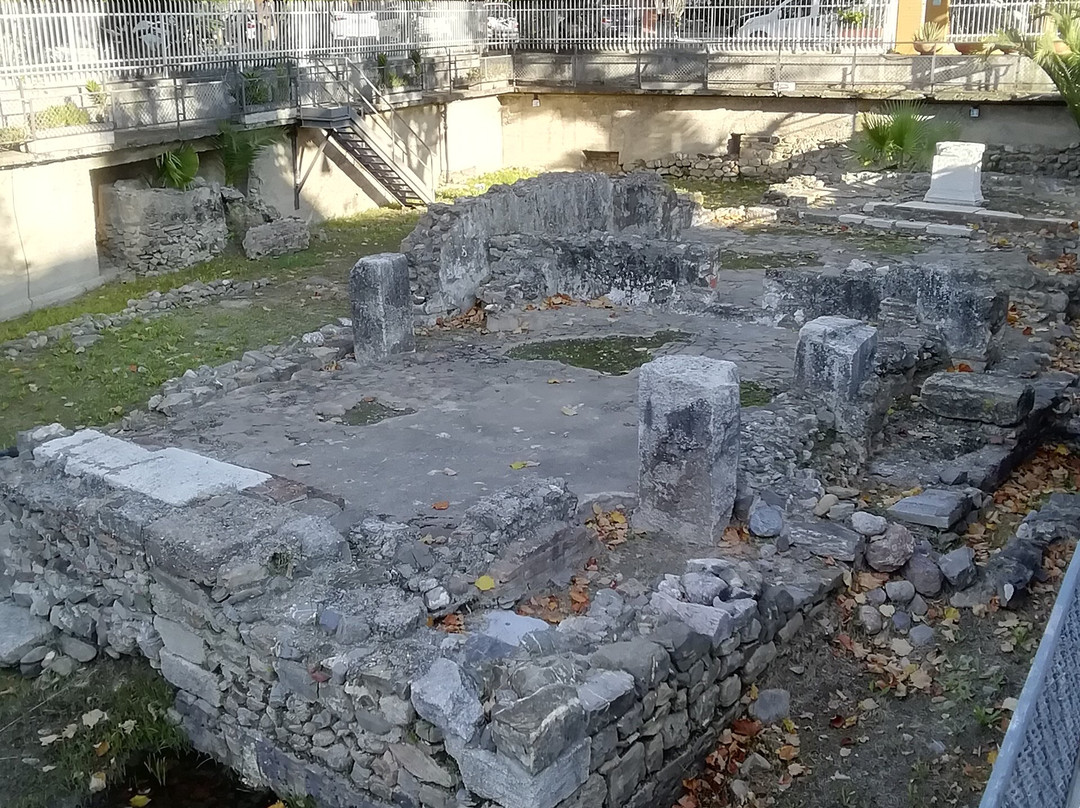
{"x": 1037, "y": 761}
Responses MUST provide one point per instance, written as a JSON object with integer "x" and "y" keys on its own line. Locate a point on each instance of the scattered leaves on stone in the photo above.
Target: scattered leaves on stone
{"x": 611, "y": 527}
{"x": 451, "y": 624}
{"x": 518, "y": 465}
{"x": 556, "y": 607}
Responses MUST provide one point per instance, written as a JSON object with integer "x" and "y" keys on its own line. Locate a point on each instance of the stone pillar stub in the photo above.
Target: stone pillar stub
{"x": 956, "y": 176}
{"x": 688, "y": 445}
{"x": 834, "y": 356}
{"x": 381, "y": 307}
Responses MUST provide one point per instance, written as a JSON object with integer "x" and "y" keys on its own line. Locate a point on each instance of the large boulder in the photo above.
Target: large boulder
{"x": 277, "y": 238}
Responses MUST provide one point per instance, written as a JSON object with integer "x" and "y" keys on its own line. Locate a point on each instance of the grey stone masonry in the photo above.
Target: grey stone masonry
{"x": 835, "y": 355}
{"x": 996, "y": 400}
{"x": 381, "y": 306}
{"x": 834, "y": 359}
{"x": 277, "y": 238}
{"x": 934, "y": 507}
{"x": 153, "y": 229}
{"x": 688, "y": 441}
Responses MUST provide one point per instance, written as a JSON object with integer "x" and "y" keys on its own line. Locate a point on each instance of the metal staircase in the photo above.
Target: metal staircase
{"x": 362, "y": 122}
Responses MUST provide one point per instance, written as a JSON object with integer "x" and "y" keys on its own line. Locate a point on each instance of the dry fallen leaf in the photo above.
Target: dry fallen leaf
{"x": 787, "y": 752}
{"x": 97, "y": 782}
{"x": 138, "y": 801}
{"x": 484, "y": 583}
{"x": 440, "y": 506}
{"x": 101, "y": 749}
{"x": 92, "y": 718}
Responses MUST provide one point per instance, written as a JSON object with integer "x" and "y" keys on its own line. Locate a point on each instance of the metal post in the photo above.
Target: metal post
{"x": 295, "y": 166}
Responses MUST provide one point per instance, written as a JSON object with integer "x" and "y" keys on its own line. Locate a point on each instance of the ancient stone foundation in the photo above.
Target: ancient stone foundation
{"x": 303, "y": 657}
{"x": 448, "y": 251}
{"x": 152, "y": 229}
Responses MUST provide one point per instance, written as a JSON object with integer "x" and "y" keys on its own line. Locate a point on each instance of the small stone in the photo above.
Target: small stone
{"x": 841, "y": 511}
{"x": 921, "y": 635}
{"x": 958, "y": 567}
{"x": 703, "y": 588}
{"x": 876, "y": 596}
{"x": 766, "y": 521}
{"x": 77, "y": 649}
{"x": 446, "y": 698}
{"x": 870, "y": 619}
{"x": 891, "y": 550}
{"x": 843, "y": 492}
{"x": 754, "y": 763}
{"x": 901, "y": 621}
{"x": 918, "y": 606}
{"x": 771, "y": 705}
{"x": 739, "y": 790}
{"x": 924, "y": 574}
{"x": 62, "y": 665}
{"x": 825, "y": 503}
{"x": 900, "y": 592}
{"x": 934, "y": 507}
{"x": 20, "y": 632}
{"x": 868, "y": 524}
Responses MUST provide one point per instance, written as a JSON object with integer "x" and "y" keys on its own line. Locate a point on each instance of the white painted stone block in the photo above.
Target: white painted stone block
{"x": 956, "y": 177}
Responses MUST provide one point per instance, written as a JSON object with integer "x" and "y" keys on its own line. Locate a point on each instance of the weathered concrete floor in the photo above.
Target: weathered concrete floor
{"x": 476, "y": 412}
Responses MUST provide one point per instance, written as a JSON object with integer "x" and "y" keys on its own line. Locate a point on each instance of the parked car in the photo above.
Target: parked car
{"x": 354, "y": 25}
{"x": 502, "y": 25}
{"x": 791, "y": 21}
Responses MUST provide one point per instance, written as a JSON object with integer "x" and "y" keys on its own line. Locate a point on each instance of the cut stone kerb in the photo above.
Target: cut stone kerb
{"x": 688, "y": 442}
{"x": 381, "y": 307}
{"x": 834, "y": 357}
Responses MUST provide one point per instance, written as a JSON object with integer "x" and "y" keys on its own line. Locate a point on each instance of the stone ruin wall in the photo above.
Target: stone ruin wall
{"x": 297, "y": 670}
{"x": 448, "y": 250}
{"x": 776, "y": 158}
{"x": 146, "y": 231}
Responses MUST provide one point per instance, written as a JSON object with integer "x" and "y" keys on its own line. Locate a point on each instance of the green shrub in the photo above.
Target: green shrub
{"x": 178, "y": 168}
{"x": 12, "y": 136}
{"x": 61, "y": 115}
{"x": 239, "y": 148}
{"x": 257, "y": 90}
{"x": 900, "y": 135}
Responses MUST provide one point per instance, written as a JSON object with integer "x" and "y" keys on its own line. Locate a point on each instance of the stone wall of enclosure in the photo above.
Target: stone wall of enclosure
{"x": 145, "y": 230}
{"x": 448, "y": 250}
{"x": 304, "y": 657}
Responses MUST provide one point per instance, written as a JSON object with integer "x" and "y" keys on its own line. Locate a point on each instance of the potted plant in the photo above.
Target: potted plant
{"x": 930, "y": 38}
{"x": 968, "y": 48}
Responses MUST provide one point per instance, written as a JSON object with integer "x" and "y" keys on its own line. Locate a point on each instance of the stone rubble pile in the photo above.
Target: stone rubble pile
{"x": 310, "y": 352}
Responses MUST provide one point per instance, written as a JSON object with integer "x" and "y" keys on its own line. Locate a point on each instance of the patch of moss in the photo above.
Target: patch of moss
{"x": 752, "y": 394}
{"x": 614, "y": 356}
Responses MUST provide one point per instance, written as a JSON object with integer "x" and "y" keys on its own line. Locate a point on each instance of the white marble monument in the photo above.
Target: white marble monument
{"x": 956, "y": 177}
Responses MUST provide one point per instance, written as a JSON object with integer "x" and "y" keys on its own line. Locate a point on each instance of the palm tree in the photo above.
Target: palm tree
{"x": 1056, "y": 50}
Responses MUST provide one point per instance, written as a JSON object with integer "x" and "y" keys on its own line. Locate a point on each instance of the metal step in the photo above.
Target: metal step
{"x": 384, "y": 173}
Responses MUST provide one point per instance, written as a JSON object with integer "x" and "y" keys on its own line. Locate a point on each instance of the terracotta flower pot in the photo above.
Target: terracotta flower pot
{"x": 1061, "y": 48}
{"x": 968, "y": 48}
{"x": 926, "y": 48}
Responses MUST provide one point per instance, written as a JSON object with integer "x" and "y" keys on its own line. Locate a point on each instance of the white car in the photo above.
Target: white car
{"x": 502, "y": 25}
{"x": 354, "y": 25}
{"x": 791, "y": 20}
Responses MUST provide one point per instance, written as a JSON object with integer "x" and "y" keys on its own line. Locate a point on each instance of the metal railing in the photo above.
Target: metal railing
{"x": 43, "y": 38}
{"x": 975, "y": 20}
{"x": 867, "y": 73}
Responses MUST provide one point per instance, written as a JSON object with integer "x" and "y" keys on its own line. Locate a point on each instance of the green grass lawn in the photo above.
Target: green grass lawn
{"x": 122, "y": 370}
{"x": 132, "y": 727}
{"x": 479, "y": 184}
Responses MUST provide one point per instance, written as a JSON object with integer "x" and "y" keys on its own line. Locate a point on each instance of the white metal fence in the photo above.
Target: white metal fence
{"x": 974, "y": 20}
{"x": 41, "y": 38}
